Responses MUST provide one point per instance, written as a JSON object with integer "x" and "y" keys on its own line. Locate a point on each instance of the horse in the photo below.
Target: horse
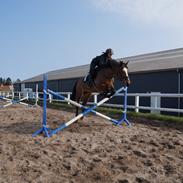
{"x": 103, "y": 82}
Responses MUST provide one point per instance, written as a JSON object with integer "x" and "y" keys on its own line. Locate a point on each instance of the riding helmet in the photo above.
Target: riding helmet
{"x": 109, "y": 50}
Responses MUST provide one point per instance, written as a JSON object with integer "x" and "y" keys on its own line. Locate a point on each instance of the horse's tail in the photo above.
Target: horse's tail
{"x": 73, "y": 96}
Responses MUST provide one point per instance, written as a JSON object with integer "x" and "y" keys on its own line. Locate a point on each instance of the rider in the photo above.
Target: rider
{"x": 97, "y": 63}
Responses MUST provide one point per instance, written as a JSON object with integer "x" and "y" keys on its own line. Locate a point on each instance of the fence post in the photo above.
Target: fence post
{"x": 69, "y": 96}
{"x": 37, "y": 97}
{"x": 95, "y": 98}
{"x": 13, "y": 94}
{"x": 50, "y": 98}
{"x": 155, "y": 102}
{"x": 37, "y": 94}
{"x": 137, "y": 103}
{"x": 19, "y": 95}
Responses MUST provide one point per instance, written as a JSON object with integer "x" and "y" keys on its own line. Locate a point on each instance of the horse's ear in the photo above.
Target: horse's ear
{"x": 126, "y": 63}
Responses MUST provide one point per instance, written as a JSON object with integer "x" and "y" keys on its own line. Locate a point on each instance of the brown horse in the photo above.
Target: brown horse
{"x": 103, "y": 82}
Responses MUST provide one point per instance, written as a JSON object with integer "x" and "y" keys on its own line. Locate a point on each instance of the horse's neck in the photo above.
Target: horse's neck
{"x": 104, "y": 79}
{"x": 110, "y": 73}
{"x": 105, "y": 73}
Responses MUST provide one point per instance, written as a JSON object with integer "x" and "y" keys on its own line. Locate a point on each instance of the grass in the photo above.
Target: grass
{"x": 159, "y": 117}
{"x": 116, "y": 113}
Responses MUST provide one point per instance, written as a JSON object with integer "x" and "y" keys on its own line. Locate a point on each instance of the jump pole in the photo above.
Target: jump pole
{"x": 46, "y": 130}
{"x": 12, "y": 101}
{"x": 84, "y": 107}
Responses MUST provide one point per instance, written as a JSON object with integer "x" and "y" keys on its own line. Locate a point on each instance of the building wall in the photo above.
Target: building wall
{"x": 31, "y": 85}
{"x": 164, "y": 82}
{"x": 67, "y": 84}
{"x": 55, "y": 85}
{"x": 17, "y": 87}
{"x": 181, "y": 88}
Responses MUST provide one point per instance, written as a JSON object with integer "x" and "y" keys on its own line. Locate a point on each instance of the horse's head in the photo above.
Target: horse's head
{"x": 122, "y": 73}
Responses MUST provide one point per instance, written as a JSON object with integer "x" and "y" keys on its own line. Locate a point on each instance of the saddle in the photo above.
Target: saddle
{"x": 88, "y": 79}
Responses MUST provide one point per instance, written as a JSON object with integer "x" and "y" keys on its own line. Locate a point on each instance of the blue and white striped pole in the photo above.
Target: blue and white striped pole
{"x": 12, "y": 101}
{"x": 88, "y": 110}
{"x": 48, "y": 132}
{"x": 84, "y": 107}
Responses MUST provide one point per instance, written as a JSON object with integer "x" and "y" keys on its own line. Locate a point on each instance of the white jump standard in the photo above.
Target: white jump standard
{"x": 48, "y": 132}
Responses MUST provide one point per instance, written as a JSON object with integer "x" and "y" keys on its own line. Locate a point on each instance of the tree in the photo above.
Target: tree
{"x": 4, "y": 81}
{"x": 1, "y": 80}
{"x": 8, "y": 81}
{"x": 18, "y": 81}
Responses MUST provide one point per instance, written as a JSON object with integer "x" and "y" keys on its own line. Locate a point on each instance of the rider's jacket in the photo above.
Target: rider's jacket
{"x": 99, "y": 62}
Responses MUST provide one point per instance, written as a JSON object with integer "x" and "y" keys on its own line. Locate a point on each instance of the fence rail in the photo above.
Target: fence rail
{"x": 155, "y": 98}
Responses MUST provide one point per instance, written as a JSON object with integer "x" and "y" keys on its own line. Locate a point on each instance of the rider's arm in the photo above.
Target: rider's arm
{"x": 94, "y": 62}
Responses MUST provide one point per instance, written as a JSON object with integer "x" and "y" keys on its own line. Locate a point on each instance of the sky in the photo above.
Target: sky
{"x": 38, "y": 36}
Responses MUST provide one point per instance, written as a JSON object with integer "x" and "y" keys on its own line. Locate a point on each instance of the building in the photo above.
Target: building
{"x": 154, "y": 72}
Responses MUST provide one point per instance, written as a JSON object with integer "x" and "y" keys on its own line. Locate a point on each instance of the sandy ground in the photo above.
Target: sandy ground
{"x": 92, "y": 150}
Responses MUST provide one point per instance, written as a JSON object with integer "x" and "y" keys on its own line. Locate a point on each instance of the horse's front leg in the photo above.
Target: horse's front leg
{"x": 111, "y": 91}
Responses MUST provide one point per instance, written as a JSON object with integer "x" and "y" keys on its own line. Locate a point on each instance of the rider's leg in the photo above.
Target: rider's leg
{"x": 91, "y": 76}
{"x": 90, "y": 80}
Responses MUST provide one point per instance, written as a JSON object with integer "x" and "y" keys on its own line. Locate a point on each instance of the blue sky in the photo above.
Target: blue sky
{"x": 37, "y": 36}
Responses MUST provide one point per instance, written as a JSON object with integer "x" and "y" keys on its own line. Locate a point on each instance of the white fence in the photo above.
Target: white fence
{"x": 155, "y": 100}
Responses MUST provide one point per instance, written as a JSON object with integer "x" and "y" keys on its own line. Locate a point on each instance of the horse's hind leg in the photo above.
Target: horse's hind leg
{"x": 77, "y": 108}
{"x": 85, "y": 99}
{"x": 78, "y": 94}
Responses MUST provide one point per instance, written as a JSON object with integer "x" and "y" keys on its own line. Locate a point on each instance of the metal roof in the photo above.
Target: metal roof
{"x": 163, "y": 60}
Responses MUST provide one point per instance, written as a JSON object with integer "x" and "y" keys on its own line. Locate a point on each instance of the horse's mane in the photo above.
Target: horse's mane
{"x": 114, "y": 63}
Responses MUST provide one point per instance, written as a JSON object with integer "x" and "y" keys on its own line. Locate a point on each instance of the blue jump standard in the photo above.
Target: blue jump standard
{"x": 124, "y": 116}
{"x": 48, "y": 132}
{"x": 44, "y": 128}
